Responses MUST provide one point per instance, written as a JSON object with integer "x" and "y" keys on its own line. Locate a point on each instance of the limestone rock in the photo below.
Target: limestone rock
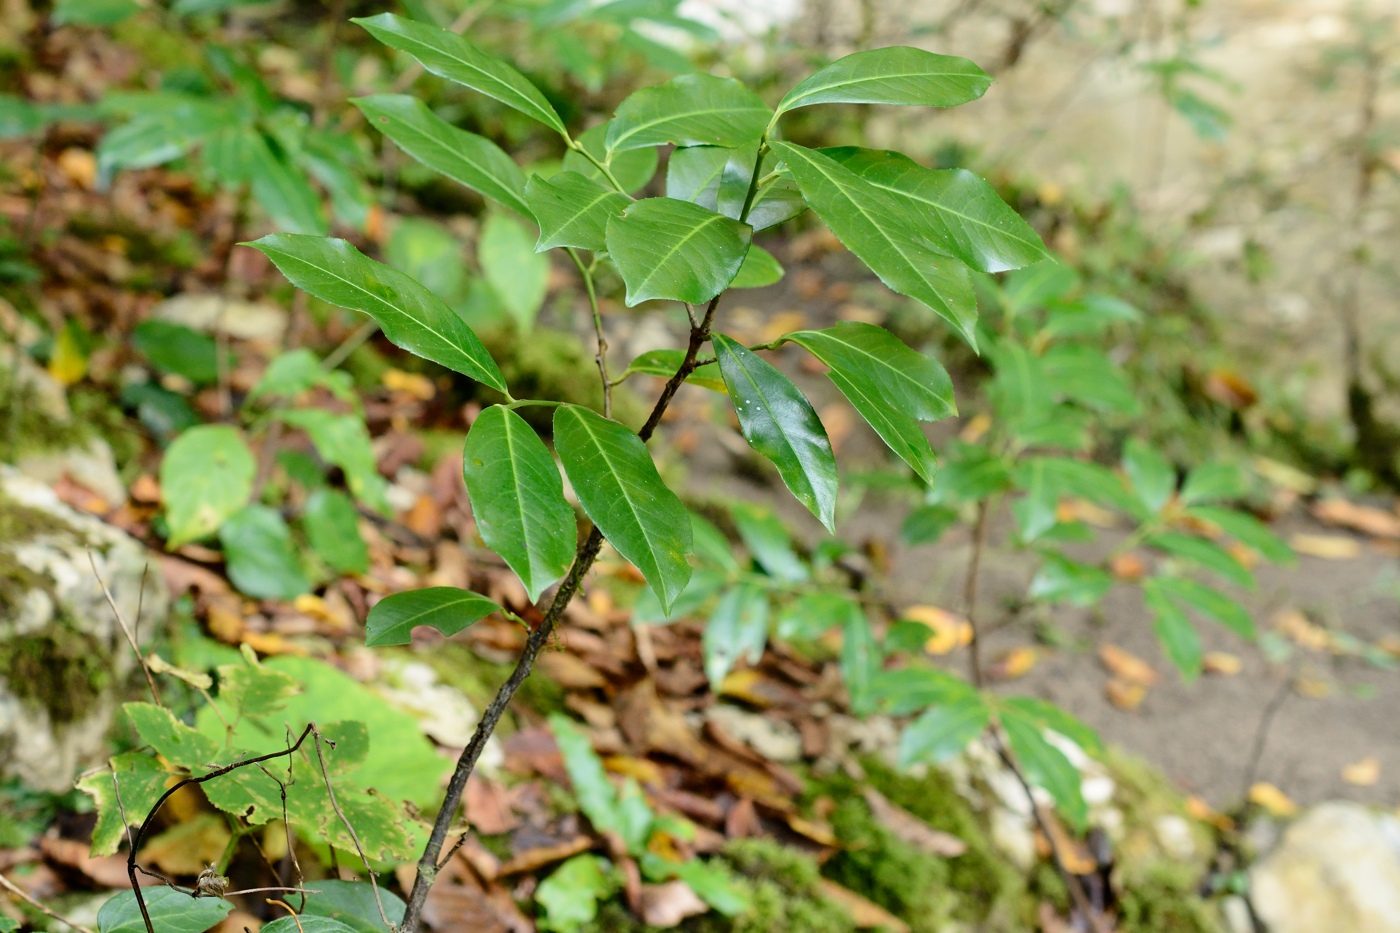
{"x": 64, "y": 662}
{"x": 1336, "y": 869}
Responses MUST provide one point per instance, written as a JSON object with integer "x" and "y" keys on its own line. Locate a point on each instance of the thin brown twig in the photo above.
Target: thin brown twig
{"x": 18, "y": 892}
{"x": 126, "y": 630}
{"x": 288, "y": 908}
{"x": 349, "y": 827}
{"x": 602, "y": 354}
{"x": 1261, "y": 734}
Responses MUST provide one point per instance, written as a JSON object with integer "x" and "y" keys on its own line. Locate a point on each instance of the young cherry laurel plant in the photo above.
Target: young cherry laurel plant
{"x": 730, "y": 176}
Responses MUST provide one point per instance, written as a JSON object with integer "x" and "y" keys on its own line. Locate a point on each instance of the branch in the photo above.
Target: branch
{"x": 354, "y": 837}
{"x": 18, "y": 892}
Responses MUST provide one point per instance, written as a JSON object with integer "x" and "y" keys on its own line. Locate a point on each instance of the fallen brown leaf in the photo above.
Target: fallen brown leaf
{"x": 1128, "y": 567}
{"x": 1074, "y": 854}
{"x": 109, "y": 871}
{"x": 1272, "y": 799}
{"x": 570, "y": 671}
{"x": 1014, "y": 663}
{"x": 1125, "y": 694}
{"x": 909, "y": 828}
{"x": 488, "y": 807}
{"x": 866, "y": 914}
{"x": 666, "y": 905}
{"x": 1363, "y": 518}
{"x": 1297, "y": 628}
{"x": 540, "y": 856}
{"x": 1220, "y": 662}
{"x": 1327, "y": 547}
{"x": 1127, "y": 666}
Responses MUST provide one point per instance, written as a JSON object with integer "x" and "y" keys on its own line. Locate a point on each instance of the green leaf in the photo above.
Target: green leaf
{"x": 518, "y": 498}
{"x": 759, "y": 269}
{"x": 332, "y": 527}
{"x": 616, "y": 482}
{"x": 571, "y": 893}
{"x": 1152, "y": 476}
{"x": 779, "y": 422}
{"x": 1087, "y": 317}
{"x": 445, "y": 608}
{"x": 93, "y": 12}
{"x": 1086, "y": 375}
{"x": 411, "y": 316}
{"x": 1060, "y": 579}
{"x": 704, "y": 583}
{"x": 172, "y": 739}
{"x": 737, "y": 630}
{"x": 971, "y": 473}
{"x": 632, "y": 168}
{"x": 1176, "y": 633}
{"x": 572, "y": 210}
{"x": 597, "y": 798}
{"x": 343, "y": 440}
{"x": 253, "y": 689}
{"x": 1037, "y": 286}
{"x": 812, "y": 615}
{"x": 140, "y": 779}
{"x": 665, "y": 248}
{"x": 694, "y": 173}
{"x": 305, "y": 924}
{"x": 171, "y": 912}
{"x": 960, "y": 214}
{"x": 927, "y": 523}
{"x": 174, "y": 348}
{"x": 449, "y": 56}
{"x": 1213, "y": 482}
{"x": 943, "y": 731}
{"x": 1047, "y": 715}
{"x": 1247, "y": 530}
{"x": 1036, "y": 513}
{"x": 206, "y": 476}
{"x": 910, "y": 689}
{"x": 1046, "y": 766}
{"x": 518, "y": 275}
{"x": 1207, "y": 601}
{"x": 860, "y": 659}
{"x": 894, "y": 75}
{"x": 884, "y": 234}
{"x": 665, "y": 363}
{"x": 711, "y": 545}
{"x": 719, "y": 179}
{"x": 464, "y": 157}
{"x": 768, "y": 541}
{"x": 691, "y": 110}
{"x": 261, "y": 559}
{"x": 1205, "y": 554}
{"x": 903, "y": 379}
{"x": 351, "y": 903}
{"x": 294, "y": 372}
{"x": 716, "y": 885}
{"x": 283, "y": 191}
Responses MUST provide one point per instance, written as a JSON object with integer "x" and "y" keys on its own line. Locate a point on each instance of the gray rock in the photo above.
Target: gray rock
{"x": 1337, "y": 869}
{"x": 64, "y": 662}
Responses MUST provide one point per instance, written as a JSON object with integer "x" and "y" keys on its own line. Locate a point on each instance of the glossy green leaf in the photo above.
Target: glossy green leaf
{"x": 259, "y": 555}
{"x": 1213, "y": 482}
{"x": 1152, "y": 476}
{"x": 900, "y": 432}
{"x": 718, "y": 178}
{"x": 961, "y": 215}
{"x": 759, "y": 270}
{"x": 572, "y": 210}
{"x": 410, "y": 315}
{"x": 904, "y": 379}
{"x": 1203, "y": 553}
{"x": 693, "y": 173}
{"x": 737, "y": 630}
{"x": 769, "y": 543}
{"x": 596, "y": 796}
{"x": 139, "y": 779}
{"x": 333, "y": 529}
{"x": 518, "y": 498}
{"x": 445, "y": 608}
{"x": 1046, "y": 767}
{"x": 518, "y": 276}
{"x": 1176, "y": 633}
{"x": 174, "y": 348}
{"x": 464, "y": 157}
{"x": 665, "y": 362}
{"x": 353, "y": 904}
{"x": 884, "y": 234}
{"x": 616, "y": 482}
{"x": 944, "y": 730}
{"x": 691, "y": 110}
{"x": 343, "y": 440}
{"x": 894, "y": 75}
{"x": 665, "y": 248}
{"x": 1060, "y": 579}
{"x": 1206, "y": 601}
{"x": 632, "y": 169}
{"x": 1047, "y": 715}
{"x": 206, "y": 476}
{"x": 448, "y": 55}
{"x": 779, "y": 422}
{"x": 171, "y": 911}
{"x": 306, "y": 924}
{"x": 1247, "y": 530}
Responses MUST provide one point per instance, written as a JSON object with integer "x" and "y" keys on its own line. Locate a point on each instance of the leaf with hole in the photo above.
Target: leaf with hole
{"x": 665, "y": 248}
{"x": 450, "y": 56}
{"x": 894, "y": 75}
{"x": 445, "y": 608}
{"x": 572, "y": 210}
{"x": 464, "y": 157}
{"x": 690, "y": 110}
{"x": 411, "y": 316}
{"x": 617, "y": 484}
{"x": 883, "y": 233}
{"x": 518, "y": 498}
{"x": 779, "y": 422}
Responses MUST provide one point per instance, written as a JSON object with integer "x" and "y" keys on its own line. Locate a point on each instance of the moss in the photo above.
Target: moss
{"x": 458, "y": 666}
{"x": 25, "y": 426}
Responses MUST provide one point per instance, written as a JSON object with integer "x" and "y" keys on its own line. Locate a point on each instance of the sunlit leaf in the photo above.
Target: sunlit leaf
{"x": 206, "y": 476}
{"x": 691, "y": 110}
{"x": 894, "y": 75}
{"x": 445, "y": 608}
{"x": 665, "y": 248}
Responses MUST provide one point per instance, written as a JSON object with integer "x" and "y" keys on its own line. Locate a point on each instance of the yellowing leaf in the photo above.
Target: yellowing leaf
{"x": 1363, "y": 773}
{"x": 1293, "y": 625}
{"x": 1127, "y": 666}
{"x": 1015, "y": 663}
{"x": 1263, "y": 794}
{"x": 414, "y": 384}
{"x": 1125, "y": 694}
{"x": 1327, "y": 547}
{"x": 949, "y": 631}
{"x": 68, "y": 363}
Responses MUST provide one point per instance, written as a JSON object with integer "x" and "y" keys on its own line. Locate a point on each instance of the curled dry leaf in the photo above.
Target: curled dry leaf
{"x": 535, "y": 858}
{"x": 1126, "y": 666}
{"x": 1014, "y": 663}
{"x": 1296, "y": 627}
{"x": 1125, "y": 694}
{"x": 909, "y": 828}
{"x": 1363, "y": 773}
{"x": 1275, "y": 801}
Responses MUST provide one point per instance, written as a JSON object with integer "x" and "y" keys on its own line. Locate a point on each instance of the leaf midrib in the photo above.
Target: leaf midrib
{"x": 944, "y": 208}
{"x": 792, "y": 104}
{"x": 674, "y": 117}
{"x": 902, "y": 375}
{"x": 661, "y": 264}
{"x": 519, "y": 499}
{"x": 782, "y": 432}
